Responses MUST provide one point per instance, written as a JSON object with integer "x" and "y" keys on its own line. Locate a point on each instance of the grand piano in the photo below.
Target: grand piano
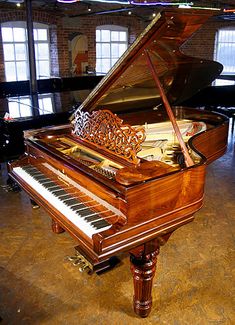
{"x": 130, "y": 168}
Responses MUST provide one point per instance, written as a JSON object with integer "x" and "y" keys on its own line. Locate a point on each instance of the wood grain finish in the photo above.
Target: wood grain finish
{"x": 153, "y": 206}
{"x": 56, "y": 228}
{"x": 143, "y": 271}
{"x": 152, "y": 199}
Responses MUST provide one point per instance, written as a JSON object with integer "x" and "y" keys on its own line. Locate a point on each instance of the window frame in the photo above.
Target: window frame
{"x": 110, "y": 59}
{"x": 14, "y": 61}
{"x": 218, "y": 58}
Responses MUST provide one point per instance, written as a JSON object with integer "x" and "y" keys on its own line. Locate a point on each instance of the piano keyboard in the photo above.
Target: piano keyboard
{"x": 72, "y": 205}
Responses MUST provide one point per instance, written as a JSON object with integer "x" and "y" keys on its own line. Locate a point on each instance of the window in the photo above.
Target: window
{"x": 45, "y": 104}
{"x": 15, "y": 50}
{"x": 224, "y": 53}
{"x": 111, "y": 43}
{"x": 19, "y": 106}
{"x": 22, "y": 107}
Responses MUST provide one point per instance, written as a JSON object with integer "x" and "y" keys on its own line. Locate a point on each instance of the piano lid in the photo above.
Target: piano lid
{"x": 129, "y": 85}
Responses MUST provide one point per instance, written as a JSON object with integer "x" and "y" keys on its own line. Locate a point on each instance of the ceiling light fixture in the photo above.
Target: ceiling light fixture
{"x": 145, "y": 3}
{"x": 126, "y": 2}
{"x": 185, "y": 6}
{"x": 229, "y": 10}
{"x": 67, "y": 1}
{"x": 206, "y": 8}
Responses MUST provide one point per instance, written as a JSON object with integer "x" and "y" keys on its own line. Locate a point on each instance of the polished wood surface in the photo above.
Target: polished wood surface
{"x": 153, "y": 204}
{"x": 148, "y": 199}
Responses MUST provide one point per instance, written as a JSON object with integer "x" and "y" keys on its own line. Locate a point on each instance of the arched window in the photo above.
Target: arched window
{"x": 111, "y": 43}
{"x": 15, "y": 50}
{"x": 225, "y": 53}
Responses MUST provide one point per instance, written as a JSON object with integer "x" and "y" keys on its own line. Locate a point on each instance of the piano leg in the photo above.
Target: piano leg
{"x": 143, "y": 270}
{"x": 56, "y": 228}
{"x": 143, "y": 265}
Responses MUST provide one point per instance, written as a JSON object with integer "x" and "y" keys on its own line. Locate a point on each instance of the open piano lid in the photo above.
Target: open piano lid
{"x": 129, "y": 85}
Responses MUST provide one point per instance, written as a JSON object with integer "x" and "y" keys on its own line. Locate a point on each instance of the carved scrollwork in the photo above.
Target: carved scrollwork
{"x": 106, "y": 130}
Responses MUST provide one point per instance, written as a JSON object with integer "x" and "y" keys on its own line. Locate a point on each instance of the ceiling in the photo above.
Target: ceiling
{"x": 123, "y": 7}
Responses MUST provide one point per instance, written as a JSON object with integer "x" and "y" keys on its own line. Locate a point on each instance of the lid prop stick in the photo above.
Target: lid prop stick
{"x": 188, "y": 160}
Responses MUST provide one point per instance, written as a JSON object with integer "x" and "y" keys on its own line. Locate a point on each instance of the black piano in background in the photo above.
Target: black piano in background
{"x": 22, "y": 88}
{"x": 66, "y": 89}
{"x": 219, "y": 99}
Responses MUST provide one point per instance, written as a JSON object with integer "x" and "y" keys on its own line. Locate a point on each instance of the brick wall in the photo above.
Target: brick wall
{"x": 202, "y": 42}
{"x": 87, "y": 26}
{"x": 61, "y": 29}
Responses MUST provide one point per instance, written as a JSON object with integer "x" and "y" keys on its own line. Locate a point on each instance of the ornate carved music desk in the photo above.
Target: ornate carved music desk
{"x": 130, "y": 169}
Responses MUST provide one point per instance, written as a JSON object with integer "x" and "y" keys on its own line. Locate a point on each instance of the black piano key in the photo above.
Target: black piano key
{"x": 71, "y": 201}
{"x": 78, "y": 207}
{"x": 100, "y": 224}
{"x": 55, "y": 189}
{"x": 78, "y": 201}
{"x": 63, "y": 197}
{"x": 48, "y": 184}
{"x": 30, "y": 169}
{"x": 34, "y": 170}
{"x": 93, "y": 217}
{"x": 39, "y": 177}
{"x": 34, "y": 173}
{"x": 57, "y": 192}
{"x": 85, "y": 212}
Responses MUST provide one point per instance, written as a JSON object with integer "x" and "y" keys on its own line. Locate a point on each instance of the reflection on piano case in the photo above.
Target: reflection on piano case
{"x": 121, "y": 176}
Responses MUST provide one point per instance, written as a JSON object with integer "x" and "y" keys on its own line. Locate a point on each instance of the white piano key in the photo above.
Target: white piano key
{"x": 67, "y": 211}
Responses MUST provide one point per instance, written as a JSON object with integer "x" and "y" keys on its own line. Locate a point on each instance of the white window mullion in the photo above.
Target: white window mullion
{"x": 224, "y": 53}
{"x": 14, "y": 34}
{"x": 105, "y": 55}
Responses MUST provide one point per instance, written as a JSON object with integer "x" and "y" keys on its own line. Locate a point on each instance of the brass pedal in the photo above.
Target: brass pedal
{"x": 82, "y": 263}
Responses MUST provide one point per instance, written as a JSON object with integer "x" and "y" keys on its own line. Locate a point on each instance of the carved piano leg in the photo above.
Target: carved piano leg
{"x": 143, "y": 265}
{"x": 56, "y": 228}
{"x": 143, "y": 270}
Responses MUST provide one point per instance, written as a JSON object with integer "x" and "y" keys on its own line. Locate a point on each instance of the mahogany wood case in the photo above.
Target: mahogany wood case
{"x": 98, "y": 160}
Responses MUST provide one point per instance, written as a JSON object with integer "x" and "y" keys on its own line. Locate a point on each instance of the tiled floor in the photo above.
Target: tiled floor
{"x": 194, "y": 281}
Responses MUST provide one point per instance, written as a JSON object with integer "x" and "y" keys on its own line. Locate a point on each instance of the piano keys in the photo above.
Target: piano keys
{"x": 125, "y": 174}
{"x": 78, "y": 207}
